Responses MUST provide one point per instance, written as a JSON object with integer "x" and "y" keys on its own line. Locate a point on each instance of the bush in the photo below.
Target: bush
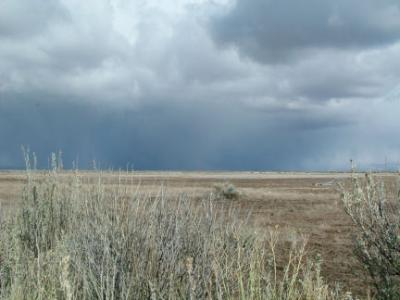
{"x": 226, "y": 190}
{"x": 71, "y": 240}
{"x": 377, "y": 242}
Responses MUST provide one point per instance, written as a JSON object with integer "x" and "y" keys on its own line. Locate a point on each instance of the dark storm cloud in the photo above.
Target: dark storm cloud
{"x": 147, "y": 83}
{"x": 273, "y": 31}
{"x": 188, "y": 136}
{"x": 174, "y": 135}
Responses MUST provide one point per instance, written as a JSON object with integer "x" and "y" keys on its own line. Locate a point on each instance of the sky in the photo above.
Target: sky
{"x": 260, "y": 85}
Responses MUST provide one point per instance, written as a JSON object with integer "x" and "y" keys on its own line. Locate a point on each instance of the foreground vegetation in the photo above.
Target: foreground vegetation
{"x": 375, "y": 212}
{"x": 71, "y": 240}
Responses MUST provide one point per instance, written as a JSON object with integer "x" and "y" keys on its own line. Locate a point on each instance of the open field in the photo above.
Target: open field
{"x": 298, "y": 203}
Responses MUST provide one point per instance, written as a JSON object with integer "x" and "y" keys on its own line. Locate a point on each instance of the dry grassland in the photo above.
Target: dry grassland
{"x": 298, "y": 203}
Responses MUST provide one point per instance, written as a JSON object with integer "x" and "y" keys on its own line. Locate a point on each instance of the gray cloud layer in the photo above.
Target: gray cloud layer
{"x": 200, "y": 84}
{"x": 273, "y": 30}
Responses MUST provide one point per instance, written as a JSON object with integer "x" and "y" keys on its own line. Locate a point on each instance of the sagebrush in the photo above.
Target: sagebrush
{"x": 376, "y": 216}
{"x": 226, "y": 190}
{"x": 74, "y": 240}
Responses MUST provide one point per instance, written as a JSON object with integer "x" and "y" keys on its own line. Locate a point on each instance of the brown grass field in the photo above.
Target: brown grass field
{"x": 296, "y": 203}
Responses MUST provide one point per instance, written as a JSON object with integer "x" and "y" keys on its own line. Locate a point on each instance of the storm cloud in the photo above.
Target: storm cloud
{"x": 233, "y": 85}
{"x": 274, "y": 30}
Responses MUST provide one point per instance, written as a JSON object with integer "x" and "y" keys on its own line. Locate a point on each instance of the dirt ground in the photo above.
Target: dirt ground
{"x": 298, "y": 203}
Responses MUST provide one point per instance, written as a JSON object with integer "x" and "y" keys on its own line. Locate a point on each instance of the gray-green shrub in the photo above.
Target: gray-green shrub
{"x": 377, "y": 223}
{"x": 226, "y": 190}
{"x": 74, "y": 240}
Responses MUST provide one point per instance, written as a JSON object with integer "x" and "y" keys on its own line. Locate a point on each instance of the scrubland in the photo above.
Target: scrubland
{"x": 173, "y": 235}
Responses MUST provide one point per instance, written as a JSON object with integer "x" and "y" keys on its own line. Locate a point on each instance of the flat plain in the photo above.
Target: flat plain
{"x": 295, "y": 203}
